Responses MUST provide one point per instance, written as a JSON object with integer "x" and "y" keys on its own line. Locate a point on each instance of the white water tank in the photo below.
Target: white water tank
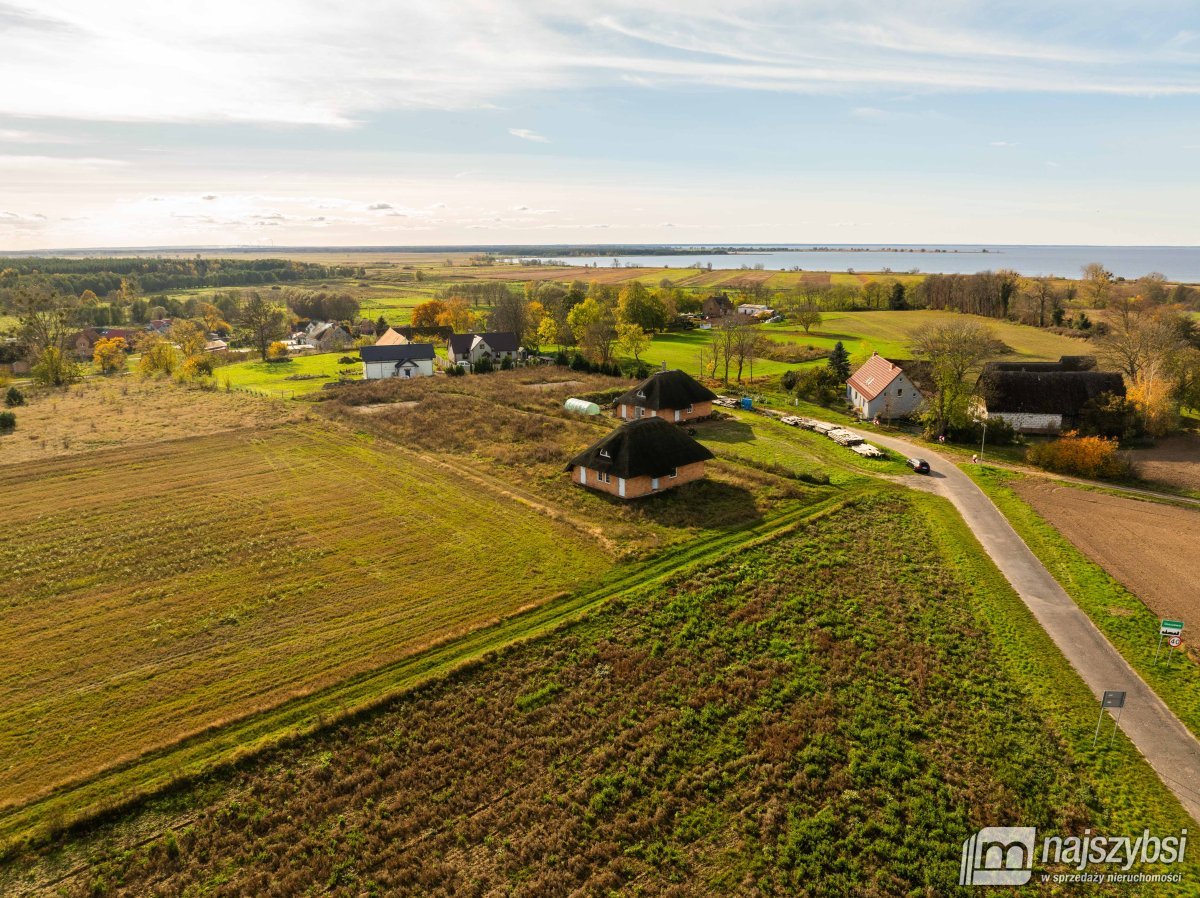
{"x": 581, "y": 407}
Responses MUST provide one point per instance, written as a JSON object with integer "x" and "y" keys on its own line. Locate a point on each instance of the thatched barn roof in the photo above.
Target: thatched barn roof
{"x": 647, "y": 447}
{"x": 1046, "y": 392}
{"x": 1065, "y": 363}
{"x": 667, "y": 389}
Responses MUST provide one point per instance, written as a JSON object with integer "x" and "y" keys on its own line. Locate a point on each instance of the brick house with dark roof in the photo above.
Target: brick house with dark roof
{"x": 671, "y": 395}
{"x": 640, "y": 458}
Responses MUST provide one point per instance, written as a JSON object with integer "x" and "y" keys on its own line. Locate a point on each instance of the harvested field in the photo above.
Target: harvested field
{"x": 102, "y": 413}
{"x": 1148, "y": 547}
{"x": 153, "y": 591}
{"x": 1175, "y": 461}
{"x": 822, "y": 714}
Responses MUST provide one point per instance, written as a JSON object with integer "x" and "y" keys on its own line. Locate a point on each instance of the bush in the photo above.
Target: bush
{"x": 55, "y": 368}
{"x": 1110, "y": 415}
{"x": 348, "y": 360}
{"x": 579, "y": 363}
{"x": 561, "y": 359}
{"x": 8, "y": 422}
{"x": 277, "y": 352}
{"x": 455, "y": 371}
{"x": 506, "y": 363}
{"x": 483, "y": 366}
{"x": 1081, "y": 456}
{"x": 999, "y": 432}
{"x": 14, "y": 397}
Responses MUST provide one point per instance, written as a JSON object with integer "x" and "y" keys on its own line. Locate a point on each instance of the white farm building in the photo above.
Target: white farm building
{"x": 397, "y": 360}
{"x": 881, "y": 389}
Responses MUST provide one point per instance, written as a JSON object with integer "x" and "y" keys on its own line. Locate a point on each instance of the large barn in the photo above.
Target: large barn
{"x": 672, "y": 395}
{"x": 1044, "y": 397}
{"x": 640, "y": 458}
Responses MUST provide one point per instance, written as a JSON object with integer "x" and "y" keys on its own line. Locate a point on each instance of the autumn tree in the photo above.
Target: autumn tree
{"x": 213, "y": 318}
{"x": 594, "y": 327}
{"x": 1042, "y": 295}
{"x": 189, "y": 336}
{"x": 456, "y": 314}
{"x": 262, "y": 322}
{"x": 109, "y": 354}
{"x": 510, "y": 314}
{"x": 637, "y": 305}
{"x": 426, "y": 314}
{"x": 747, "y": 344}
{"x": 808, "y": 316}
{"x": 1099, "y": 283}
{"x": 632, "y": 339}
{"x": 955, "y": 350}
{"x": 158, "y": 355}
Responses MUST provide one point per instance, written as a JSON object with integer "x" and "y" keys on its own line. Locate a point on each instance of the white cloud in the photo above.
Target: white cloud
{"x": 1001, "y": 143}
{"x": 526, "y": 134}
{"x": 227, "y": 61}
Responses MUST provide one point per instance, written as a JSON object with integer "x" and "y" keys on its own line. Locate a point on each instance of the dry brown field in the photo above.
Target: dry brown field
{"x": 1149, "y": 547}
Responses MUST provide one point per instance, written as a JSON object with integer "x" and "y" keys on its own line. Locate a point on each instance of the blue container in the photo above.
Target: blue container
{"x": 747, "y": 403}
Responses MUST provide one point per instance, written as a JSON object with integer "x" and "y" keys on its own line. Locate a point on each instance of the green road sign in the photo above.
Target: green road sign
{"x": 1171, "y": 628}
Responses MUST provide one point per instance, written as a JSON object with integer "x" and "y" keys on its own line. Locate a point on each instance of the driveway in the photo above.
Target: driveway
{"x": 1165, "y": 742}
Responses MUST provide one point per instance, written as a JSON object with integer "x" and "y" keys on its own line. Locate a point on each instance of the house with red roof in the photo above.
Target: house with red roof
{"x": 881, "y": 388}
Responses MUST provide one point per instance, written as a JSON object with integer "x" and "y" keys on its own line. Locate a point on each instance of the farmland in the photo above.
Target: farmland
{"x": 106, "y": 413}
{"x": 827, "y": 712}
{"x": 1133, "y": 532}
{"x": 161, "y": 593}
{"x": 265, "y": 563}
{"x": 1139, "y": 543}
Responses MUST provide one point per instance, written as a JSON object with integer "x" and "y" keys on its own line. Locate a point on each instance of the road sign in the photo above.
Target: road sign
{"x": 1170, "y": 628}
{"x": 1113, "y": 699}
{"x": 1174, "y": 642}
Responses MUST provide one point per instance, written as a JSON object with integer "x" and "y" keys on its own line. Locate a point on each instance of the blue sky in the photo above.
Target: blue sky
{"x": 305, "y": 122}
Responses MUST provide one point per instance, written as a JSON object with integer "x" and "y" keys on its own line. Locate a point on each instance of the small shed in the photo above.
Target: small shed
{"x": 581, "y": 407}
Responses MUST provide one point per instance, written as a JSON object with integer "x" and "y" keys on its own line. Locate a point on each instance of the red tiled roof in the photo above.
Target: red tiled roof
{"x": 874, "y": 376}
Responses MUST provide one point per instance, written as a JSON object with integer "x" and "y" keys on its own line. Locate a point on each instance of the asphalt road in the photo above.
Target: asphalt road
{"x": 1171, "y": 749}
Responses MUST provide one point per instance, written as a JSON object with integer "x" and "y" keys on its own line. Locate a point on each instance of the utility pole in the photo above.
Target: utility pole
{"x": 983, "y": 440}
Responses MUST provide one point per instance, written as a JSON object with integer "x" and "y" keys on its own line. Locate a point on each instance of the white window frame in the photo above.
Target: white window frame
{"x": 604, "y": 477}
{"x": 674, "y": 473}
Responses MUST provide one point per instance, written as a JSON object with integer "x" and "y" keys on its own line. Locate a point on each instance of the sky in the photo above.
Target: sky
{"x": 437, "y": 122}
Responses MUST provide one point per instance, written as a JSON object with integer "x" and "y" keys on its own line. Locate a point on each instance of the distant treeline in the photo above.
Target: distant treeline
{"x": 105, "y": 276}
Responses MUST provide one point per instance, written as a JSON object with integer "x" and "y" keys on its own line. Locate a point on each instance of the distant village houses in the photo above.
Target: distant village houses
{"x": 716, "y": 306}
{"x": 640, "y": 458}
{"x": 469, "y": 349}
{"x": 327, "y": 336}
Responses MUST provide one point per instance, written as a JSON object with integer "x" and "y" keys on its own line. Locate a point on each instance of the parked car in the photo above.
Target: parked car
{"x": 919, "y": 465}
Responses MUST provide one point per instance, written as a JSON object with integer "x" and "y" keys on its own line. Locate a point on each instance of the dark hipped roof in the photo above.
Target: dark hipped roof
{"x": 497, "y": 341}
{"x": 1046, "y": 392}
{"x": 648, "y": 447}
{"x": 393, "y": 352}
{"x": 667, "y": 389}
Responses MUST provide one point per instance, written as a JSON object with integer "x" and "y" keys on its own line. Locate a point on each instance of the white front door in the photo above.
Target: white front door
{"x": 621, "y": 487}
{"x": 654, "y": 483}
{"x": 678, "y": 415}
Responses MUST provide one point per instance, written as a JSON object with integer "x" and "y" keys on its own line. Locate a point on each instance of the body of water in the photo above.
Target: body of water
{"x": 1177, "y": 263}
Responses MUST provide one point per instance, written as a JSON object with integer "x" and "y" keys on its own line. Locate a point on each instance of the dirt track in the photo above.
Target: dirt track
{"x": 1148, "y": 547}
